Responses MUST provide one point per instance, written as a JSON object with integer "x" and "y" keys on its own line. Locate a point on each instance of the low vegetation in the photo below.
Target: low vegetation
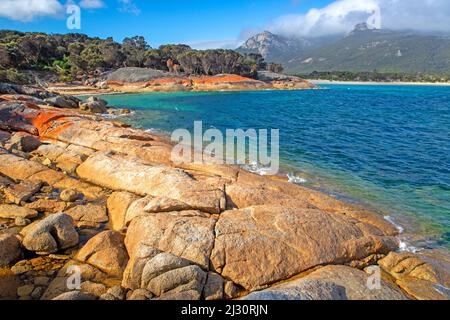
{"x": 78, "y": 57}
{"x": 375, "y": 76}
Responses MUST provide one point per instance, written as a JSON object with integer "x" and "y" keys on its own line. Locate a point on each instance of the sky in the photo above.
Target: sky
{"x": 222, "y": 24}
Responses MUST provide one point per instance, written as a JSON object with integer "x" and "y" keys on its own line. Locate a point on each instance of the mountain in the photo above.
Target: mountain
{"x": 279, "y": 49}
{"x": 362, "y": 49}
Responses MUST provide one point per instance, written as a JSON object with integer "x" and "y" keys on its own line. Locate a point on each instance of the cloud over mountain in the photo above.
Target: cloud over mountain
{"x": 342, "y": 15}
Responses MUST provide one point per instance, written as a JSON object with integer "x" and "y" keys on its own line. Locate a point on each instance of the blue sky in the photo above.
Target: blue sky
{"x": 218, "y": 23}
{"x": 175, "y": 21}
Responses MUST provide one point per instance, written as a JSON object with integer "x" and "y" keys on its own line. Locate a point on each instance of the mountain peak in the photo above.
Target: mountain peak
{"x": 363, "y": 26}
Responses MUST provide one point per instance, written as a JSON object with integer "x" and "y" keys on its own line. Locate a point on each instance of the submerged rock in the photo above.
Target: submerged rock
{"x": 94, "y": 105}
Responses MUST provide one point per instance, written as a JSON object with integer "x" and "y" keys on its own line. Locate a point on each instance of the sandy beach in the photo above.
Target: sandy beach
{"x": 322, "y": 82}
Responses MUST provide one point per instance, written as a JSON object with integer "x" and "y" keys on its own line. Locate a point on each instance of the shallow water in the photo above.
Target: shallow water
{"x": 387, "y": 147}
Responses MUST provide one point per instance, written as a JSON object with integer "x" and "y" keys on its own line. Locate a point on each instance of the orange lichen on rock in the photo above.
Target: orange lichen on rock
{"x": 225, "y": 78}
{"x": 45, "y": 122}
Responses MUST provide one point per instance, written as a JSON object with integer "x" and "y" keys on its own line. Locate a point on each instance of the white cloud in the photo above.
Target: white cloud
{"x": 215, "y": 44}
{"x": 342, "y": 15}
{"x": 128, "y": 6}
{"x": 92, "y": 4}
{"x": 27, "y": 10}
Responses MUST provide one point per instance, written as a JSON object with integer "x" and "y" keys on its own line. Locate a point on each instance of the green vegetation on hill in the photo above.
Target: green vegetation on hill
{"x": 374, "y": 77}
{"x": 383, "y": 51}
{"x": 79, "y": 57}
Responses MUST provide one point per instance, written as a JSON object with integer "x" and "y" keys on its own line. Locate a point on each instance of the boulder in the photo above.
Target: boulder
{"x": 69, "y": 195}
{"x": 24, "y": 142}
{"x": 265, "y": 244}
{"x": 252, "y": 190}
{"x": 190, "y": 295}
{"x": 10, "y": 211}
{"x": 356, "y": 283}
{"x": 56, "y": 232}
{"x": 66, "y": 274}
{"x": 162, "y": 273}
{"x": 75, "y": 295}
{"x": 47, "y": 205}
{"x": 10, "y": 250}
{"x": 189, "y": 278}
{"x": 301, "y": 290}
{"x": 94, "y": 105}
{"x": 424, "y": 276}
{"x": 9, "y": 283}
{"x": 92, "y": 288}
{"x": 187, "y": 234}
{"x": 115, "y": 293}
{"x": 214, "y": 287}
{"x": 67, "y": 102}
{"x": 23, "y": 191}
{"x": 15, "y": 116}
{"x": 140, "y": 295}
{"x": 118, "y": 173}
{"x": 19, "y": 168}
{"x": 118, "y": 204}
{"x": 106, "y": 252}
{"x": 88, "y": 215}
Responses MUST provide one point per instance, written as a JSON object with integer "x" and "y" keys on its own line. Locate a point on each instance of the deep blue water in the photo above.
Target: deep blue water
{"x": 387, "y": 147}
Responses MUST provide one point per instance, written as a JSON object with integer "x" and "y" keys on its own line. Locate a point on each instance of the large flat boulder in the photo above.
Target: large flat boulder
{"x": 265, "y": 244}
{"x": 11, "y": 211}
{"x": 187, "y": 234}
{"x": 18, "y": 168}
{"x": 119, "y": 173}
{"x": 424, "y": 276}
{"x": 356, "y": 283}
{"x": 330, "y": 283}
{"x": 251, "y": 190}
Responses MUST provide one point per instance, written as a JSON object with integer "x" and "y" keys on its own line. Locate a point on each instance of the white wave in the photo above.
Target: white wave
{"x": 151, "y": 130}
{"x": 255, "y": 168}
{"x": 405, "y": 247}
{"x": 295, "y": 179}
{"x": 391, "y": 220}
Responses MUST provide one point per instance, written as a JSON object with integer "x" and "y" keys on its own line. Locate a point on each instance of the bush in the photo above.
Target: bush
{"x": 14, "y": 76}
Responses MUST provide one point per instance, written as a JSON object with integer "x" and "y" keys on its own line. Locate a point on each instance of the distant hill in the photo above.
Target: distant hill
{"x": 278, "y": 49}
{"x": 362, "y": 50}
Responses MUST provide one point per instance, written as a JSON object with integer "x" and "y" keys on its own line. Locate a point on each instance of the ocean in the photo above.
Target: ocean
{"x": 384, "y": 147}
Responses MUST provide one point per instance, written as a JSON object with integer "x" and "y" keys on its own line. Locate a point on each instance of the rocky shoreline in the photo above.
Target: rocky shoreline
{"x": 80, "y": 192}
{"x": 134, "y": 80}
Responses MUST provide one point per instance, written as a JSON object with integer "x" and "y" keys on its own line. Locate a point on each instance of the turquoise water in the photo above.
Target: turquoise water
{"x": 387, "y": 147}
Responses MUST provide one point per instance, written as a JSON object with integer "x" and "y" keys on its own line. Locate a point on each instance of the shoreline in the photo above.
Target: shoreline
{"x": 220, "y": 232}
{"x": 440, "y": 84}
{"x": 412, "y": 239}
